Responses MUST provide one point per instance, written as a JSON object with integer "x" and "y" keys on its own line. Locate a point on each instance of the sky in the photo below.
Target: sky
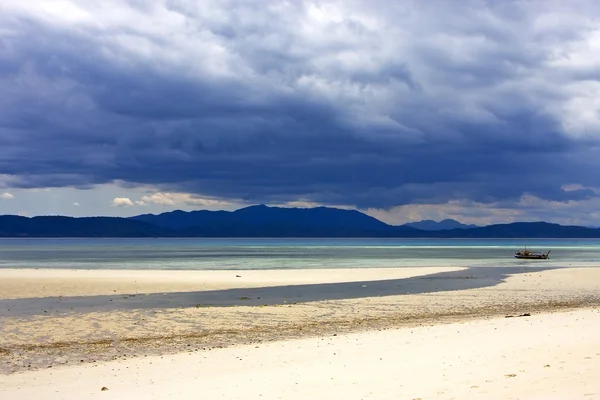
{"x": 485, "y": 111}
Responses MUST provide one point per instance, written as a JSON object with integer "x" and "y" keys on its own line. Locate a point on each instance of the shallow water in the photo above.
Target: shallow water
{"x": 217, "y": 253}
{"x": 444, "y": 281}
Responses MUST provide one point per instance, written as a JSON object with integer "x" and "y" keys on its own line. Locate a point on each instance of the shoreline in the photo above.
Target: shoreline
{"x": 136, "y": 327}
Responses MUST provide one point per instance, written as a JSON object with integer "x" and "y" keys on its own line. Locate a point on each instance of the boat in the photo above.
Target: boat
{"x": 532, "y": 255}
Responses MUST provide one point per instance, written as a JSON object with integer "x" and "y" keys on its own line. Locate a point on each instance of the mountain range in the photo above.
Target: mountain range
{"x": 264, "y": 221}
{"x": 446, "y": 224}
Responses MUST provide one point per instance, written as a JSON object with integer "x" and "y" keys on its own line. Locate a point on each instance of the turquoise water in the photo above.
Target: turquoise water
{"x": 215, "y": 254}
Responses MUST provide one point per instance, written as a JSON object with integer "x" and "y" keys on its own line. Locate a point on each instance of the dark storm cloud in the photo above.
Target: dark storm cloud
{"x": 373, "y": 104}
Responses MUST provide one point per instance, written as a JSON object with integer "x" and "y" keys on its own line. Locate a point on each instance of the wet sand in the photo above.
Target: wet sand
{"x": 236, "y": 292}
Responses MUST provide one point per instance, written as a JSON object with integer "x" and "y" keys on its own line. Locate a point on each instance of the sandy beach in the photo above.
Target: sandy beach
{"x": 363, "y": 333}
{"x": 547, "y": 356}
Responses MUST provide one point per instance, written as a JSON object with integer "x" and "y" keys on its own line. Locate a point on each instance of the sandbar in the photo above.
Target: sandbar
{"x": 25, "y": 283}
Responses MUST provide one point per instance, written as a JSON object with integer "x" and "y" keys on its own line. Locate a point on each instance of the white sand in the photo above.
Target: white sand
{"x": 23, "y": 283}
{"x": 170, "y": 330}
{"x": 552, "y": 356}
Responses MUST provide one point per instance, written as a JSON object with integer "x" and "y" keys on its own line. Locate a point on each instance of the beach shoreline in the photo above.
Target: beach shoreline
{"x": 134, "y": 327}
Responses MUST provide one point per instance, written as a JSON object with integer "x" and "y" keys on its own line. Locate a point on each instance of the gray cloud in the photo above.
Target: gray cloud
{"x": 373, "y": 104}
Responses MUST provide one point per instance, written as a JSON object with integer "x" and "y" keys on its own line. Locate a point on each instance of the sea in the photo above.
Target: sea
{"x": 286, "y": 253}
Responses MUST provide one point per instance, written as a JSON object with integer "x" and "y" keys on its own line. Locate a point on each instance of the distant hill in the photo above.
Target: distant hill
{"x": 263, "y": 221}
{"x": 58, "y": 226}
{"x": 523, "y": 230}
{"x": 430, "y": 225}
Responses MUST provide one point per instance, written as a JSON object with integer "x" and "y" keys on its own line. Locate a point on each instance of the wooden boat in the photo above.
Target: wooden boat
{"x": 532, "y": 255}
